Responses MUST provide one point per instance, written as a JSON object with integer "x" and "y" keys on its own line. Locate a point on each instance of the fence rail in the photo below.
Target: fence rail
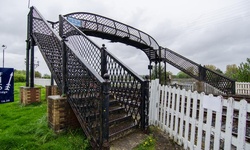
{"x": 200, "y": 121}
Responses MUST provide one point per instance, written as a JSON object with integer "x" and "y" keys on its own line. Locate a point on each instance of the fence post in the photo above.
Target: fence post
{"x": 145, "y": 105}
{"x": 105, "y": 113}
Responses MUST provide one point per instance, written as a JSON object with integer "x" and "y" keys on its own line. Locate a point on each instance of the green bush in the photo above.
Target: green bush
{"x": 19, "y": 78}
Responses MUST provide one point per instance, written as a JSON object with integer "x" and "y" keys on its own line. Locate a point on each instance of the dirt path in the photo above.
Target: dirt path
{"x": 132, "y": 140}
{"x": 163, "y": 142}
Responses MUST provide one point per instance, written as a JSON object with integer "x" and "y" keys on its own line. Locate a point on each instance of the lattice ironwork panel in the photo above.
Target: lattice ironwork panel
{"x": 84, "y": 47}
{"x": 99, "y": 23}
{"x": 197, "y": 71}
{"x": 126, "y": 87}
{"x": 49, "y": 45}
{"x": 85, "y": 93}
{"x": 180, "y": 62}
{"x": 125, "y": 84}
{"x": 219, "y": 81}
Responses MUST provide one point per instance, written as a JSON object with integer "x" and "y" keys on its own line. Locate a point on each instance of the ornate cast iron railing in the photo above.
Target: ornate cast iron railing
{"x": 48, "y": 42}
{"x": 198, "y": 72}
{"x": 99, "y": 26}
{"x": 96, "y": 25}
{"x": 87, "y": 91}
{"x": 126, "y": 85}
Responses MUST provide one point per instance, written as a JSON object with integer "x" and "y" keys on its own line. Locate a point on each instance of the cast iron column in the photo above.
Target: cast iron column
{"x": 150, "y": 70}
{"x": 103, "y": 60}
{"x": 105, "y": 112}
{"x": 32, "y": 58}
{"x": 64, "y": 66}
{"x": 145, "y": 104}
{"x": 27, "y": 62}
{"x": 159, "y": 59}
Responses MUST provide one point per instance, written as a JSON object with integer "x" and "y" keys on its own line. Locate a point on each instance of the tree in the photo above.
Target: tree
{"x": 231, "y": 71}
{"x": 243, "y": 74}
{"x": 46, "y": 76}
{"x": 163, "y": 72}
{"x": 211, "y": 67}
{"x": 182, "y": 75}
{"x": 38, "y": 74}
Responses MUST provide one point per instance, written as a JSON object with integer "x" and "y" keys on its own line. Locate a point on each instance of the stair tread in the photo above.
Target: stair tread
{"x": 121, "y": 128}
{"x": 118, "y": 117}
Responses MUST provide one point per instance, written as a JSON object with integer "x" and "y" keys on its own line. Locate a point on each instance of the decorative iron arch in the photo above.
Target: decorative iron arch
{"x": 115, "y": 31}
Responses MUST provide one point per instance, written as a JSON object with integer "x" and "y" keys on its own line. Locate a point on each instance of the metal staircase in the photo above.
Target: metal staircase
{"x": 108, "y": 98}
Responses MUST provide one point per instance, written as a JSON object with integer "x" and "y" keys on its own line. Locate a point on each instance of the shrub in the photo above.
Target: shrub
{"x": 19, "y": 78}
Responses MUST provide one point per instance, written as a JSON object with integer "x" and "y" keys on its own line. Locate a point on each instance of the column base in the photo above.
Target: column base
{"x": 60, "y": 114}
{"x": 52, "y": 90}
{"x": 29, "y": 95}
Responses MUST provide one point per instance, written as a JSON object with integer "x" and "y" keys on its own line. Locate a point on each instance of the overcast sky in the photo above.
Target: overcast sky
{"x": 215, "y": 32}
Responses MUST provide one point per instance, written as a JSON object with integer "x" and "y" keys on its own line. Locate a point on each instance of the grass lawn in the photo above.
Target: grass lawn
{"x": 26, "y": 127}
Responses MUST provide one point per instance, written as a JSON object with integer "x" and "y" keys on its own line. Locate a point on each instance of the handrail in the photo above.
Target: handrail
{"x": 197, "y": 71}
{"x": 96, "y": 49}
{"x": 113, "y": 24}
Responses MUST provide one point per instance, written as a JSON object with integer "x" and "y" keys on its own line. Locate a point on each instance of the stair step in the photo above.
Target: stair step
{"x": 113, "y": 102}
{"x": 119, "y": 118}
{"x": 115, "y": 109}
{"x": 121, "y": 130}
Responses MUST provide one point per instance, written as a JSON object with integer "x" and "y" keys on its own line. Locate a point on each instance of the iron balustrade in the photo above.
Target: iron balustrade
{"x": 48, "y": 42}
{"x": 99, "y": 26}
{"x": 197, "y": 71}
{"x": 103, "y": 27}
{"x": 126, "y": 86}
{"x": 87, "y": 91}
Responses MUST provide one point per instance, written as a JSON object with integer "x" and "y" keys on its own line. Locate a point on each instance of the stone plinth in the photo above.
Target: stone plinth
{"x": 60, "y": 115}
{"x": 30, "y": 95}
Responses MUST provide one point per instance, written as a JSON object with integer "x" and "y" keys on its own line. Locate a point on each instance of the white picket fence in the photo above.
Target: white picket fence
{"x": 242, "y": 88}
{"x": 199, "y": 121}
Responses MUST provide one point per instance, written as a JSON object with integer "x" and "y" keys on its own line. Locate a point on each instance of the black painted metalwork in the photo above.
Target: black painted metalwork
{"x": 84, "y": 89}
{"x": 198, "y": 72}
{"x": 105, "y": 112}
{"x": 27, "y": 62}
{"x": 64, "y": 66}
{"x": 32, "y": 59}
{"x": 99, "y": 26}
{"x": 126, "y": 85}
{"x": 87, "y": 91}
{"x": 103, "y": 27}
{"x": 80, "y": 68}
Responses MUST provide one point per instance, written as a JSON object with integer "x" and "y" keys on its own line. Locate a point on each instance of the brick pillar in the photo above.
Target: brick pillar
{"x": 52, "y": 90}
{"x": 30, "y": 95}
{"x": 60, "y": 114}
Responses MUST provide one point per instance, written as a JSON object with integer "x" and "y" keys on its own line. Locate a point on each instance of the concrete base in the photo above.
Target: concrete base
{"x": 199, "y": 86}
{"x": 29, "y": 95}
{"x": 60, "y": 115}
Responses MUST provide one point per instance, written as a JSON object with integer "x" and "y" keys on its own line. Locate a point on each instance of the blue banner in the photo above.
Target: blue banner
{"x": 75, "y": 22}
{"x": 6, "y": 85}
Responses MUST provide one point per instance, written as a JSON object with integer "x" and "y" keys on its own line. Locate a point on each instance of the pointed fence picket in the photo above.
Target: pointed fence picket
{"x": 192, "y": 121}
